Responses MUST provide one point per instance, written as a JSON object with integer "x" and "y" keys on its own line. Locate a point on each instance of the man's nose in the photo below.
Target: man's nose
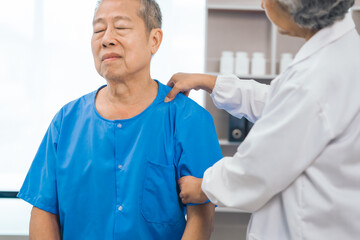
{"x": 108, "y": 38}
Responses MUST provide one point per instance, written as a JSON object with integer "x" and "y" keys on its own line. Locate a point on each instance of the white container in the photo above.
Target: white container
{"x": 242, "y": 64}
{"x": 227, "y": 62}
{"x": 286, "y": 59}
{"x": 258, "y": 64}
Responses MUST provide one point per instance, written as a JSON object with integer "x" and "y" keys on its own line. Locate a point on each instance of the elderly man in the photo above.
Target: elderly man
{"x": 110, "y": 160}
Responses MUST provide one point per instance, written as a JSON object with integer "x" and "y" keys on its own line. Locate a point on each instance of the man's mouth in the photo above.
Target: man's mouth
{"x": 110, "y": 57}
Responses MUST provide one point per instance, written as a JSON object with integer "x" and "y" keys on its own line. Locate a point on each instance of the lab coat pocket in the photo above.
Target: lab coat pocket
{"x": 160, "y": 202}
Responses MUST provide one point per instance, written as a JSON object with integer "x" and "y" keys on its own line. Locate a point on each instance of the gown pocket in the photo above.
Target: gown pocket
{"x": 160, "y": 202}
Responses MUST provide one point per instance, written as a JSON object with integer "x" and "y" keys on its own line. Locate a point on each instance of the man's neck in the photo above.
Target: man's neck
{"x": 126, "y": 98}
{"x": 129, "y": 91}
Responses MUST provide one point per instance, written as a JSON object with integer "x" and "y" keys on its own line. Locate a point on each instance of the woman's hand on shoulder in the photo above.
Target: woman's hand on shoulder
{"x": 185, "y": 82}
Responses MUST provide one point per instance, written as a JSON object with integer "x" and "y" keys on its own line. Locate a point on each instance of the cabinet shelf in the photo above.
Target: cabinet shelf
{"x": 228, "y": 210}
{"x": 233, "y": 7}
{"x": 255, "y": 77}
{"x": 224, "y": 142}
{"x": 268, "y": 77}
{"x": 255, "y": 8}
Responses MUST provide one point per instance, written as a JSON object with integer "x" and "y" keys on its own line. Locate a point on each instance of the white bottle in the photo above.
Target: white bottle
{"x": 286, "y": 59}
{"x": 227, "y": 62}
{"x": 258, "y": 64}
{"x": 242, "y": 64}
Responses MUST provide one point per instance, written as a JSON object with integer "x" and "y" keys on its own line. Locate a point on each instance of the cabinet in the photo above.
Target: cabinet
{"x": 241, "y": 25}
{"x": 356, "y": 14}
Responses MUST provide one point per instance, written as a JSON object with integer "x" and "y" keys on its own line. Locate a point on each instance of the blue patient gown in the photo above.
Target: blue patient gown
{"x": 118, "y": 179}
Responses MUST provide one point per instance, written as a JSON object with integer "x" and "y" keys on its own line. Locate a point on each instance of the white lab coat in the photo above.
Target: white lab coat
{"x": 298, "y": 171}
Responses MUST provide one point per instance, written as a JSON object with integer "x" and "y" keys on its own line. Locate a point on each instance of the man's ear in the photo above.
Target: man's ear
{"x": 156, "y": 36}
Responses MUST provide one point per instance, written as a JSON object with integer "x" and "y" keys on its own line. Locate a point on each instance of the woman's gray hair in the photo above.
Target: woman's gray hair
{"x": 149, "y": 11}
{"x": 317, "y": 14}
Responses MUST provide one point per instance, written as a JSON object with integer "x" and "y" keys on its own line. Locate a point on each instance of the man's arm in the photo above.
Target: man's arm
{"x": 44, "y": 225}
{"x": 200, "y": 222}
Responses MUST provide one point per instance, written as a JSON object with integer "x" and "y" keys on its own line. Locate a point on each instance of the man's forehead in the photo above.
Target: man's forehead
{"x": 115, "y": 18}
{"x": 116, "y": 10}
{"x": 126, "y": 5}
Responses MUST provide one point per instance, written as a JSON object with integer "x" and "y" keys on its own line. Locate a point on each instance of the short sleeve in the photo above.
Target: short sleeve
{"x": 197, "y": 145}
{"x": 39, "y": 187}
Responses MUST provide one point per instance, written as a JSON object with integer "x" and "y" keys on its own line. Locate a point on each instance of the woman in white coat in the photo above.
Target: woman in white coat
{"x": 298, "y": 170}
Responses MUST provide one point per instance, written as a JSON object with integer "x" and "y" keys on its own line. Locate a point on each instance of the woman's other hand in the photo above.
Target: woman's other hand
{"x": 185, "y": 82}
{"x": 190, "y": 190}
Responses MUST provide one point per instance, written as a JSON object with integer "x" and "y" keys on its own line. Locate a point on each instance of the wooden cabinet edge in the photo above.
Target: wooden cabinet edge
{"x": 224, "y": 142}
{"x": 228, "y": 210}
{"x": 234, "y": 7}
{"x": 255, "y": 77}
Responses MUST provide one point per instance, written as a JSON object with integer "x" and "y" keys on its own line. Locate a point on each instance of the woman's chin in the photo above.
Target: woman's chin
{"x": 283, "y": 32}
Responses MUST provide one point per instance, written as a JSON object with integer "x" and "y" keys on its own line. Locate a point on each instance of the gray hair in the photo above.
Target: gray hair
{"x": 317, "y": 14}
{"x": 149, "y": 11}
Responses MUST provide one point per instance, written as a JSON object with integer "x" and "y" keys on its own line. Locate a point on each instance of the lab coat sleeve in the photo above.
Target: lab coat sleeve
{"x": 39, "y": 188}
{"x": 292, "y": 132}
{"x": 241, "y": 98}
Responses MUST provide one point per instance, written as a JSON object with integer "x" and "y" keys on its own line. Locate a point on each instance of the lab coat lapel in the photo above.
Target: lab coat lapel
{"x": 324, "y": 37}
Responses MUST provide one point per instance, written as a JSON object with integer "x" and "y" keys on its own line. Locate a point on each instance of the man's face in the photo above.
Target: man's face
{"x": 121, "y": 45}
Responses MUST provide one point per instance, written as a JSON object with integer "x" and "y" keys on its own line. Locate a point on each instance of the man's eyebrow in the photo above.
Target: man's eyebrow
{"x": 126, "y": 18}
{"x": 98, "y": 20}
{"x": 117, "y": 18}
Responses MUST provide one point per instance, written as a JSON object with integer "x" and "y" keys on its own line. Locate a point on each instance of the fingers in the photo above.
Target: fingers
{"x": 180, "y": 181}
{"x": 172, "y": 94}
{"x": 175, "y": 91}
{"x": 178, "y": 83}
{"x": 173, "y": 80}
{"x": 184, "y": 199}
{"x": 171, "y": 83}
